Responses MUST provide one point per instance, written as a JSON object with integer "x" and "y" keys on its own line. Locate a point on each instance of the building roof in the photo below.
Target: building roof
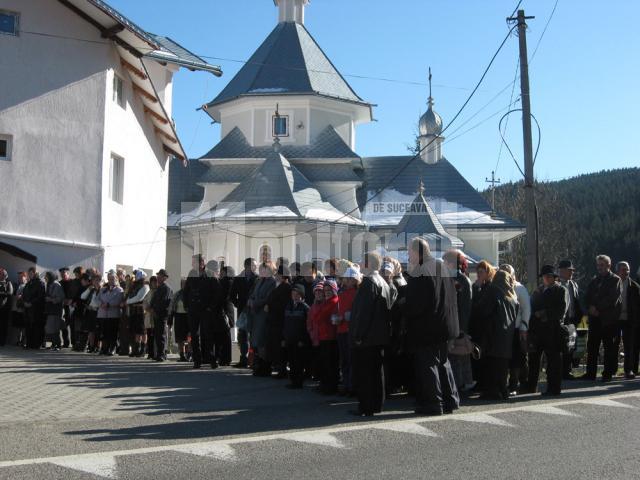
{"x": 441, "y": 180}
{"x": 420, "y": 219}
{"x": 183, "y": 184}
{"x": 172, "y": 52}
{"x": 288, "y": 62}
{"x": 328, "y": 144}
{"x": 279, "y": 190}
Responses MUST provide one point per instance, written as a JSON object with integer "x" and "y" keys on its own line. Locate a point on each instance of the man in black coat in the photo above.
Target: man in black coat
{"x": 160, "y": 306}
{"x": 199, "y": 303}
{"x": 629, "y": 319}
{"x": 431, "y": 312}
{"x": 238, "y": 295}
{"x": 370, "y": 328}
{"x": 574, "y": 311}
{"x": 33, "y": 297}
{"x": 604, "y": 303}
{"x": 547, "y": 331}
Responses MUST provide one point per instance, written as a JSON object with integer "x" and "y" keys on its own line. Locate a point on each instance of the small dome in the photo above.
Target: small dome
{"x": 430, "y": 122}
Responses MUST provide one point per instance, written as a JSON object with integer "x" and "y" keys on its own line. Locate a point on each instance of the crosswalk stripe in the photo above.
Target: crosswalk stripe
{"x": 549, "y": 410}
{"x": 412, "y": 428}
{"x": 605, "y": 402}
{"x": 317, "y": 438}
{"x": 99, "y": 465}
{"x": 481, "y": 418}
{"x": 216, "y": 450}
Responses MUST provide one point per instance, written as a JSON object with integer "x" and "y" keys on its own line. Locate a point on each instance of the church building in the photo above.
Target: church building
{"x": 286, "y": 178}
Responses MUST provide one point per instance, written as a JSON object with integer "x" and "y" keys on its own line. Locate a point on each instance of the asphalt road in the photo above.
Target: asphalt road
{"x": 68, "y": 416}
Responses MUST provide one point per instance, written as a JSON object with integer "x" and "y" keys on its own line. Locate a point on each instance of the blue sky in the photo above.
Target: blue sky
{"x": 584, "y": 77}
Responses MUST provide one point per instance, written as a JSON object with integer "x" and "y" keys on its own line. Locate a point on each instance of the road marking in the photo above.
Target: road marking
{"x": 413, "y": 428}
{"x": 215, "y": 450}
{"x": 481, "y": 418}
{"x": 85, "y": 461}
{"x": 549, "y": 410}
{"x": 99, "y": 465}
{"x": 319, "y": 438}
{"x": 605, "y": 402}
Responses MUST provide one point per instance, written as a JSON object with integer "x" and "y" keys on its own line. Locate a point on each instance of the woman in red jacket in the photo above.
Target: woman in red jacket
{"x": 350, "y": 282}
{"x": 312, "y": 328}
{"x": 327, "y": 318}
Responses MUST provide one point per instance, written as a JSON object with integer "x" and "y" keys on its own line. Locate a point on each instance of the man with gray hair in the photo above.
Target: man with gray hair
{"x": 604, "y": 303}
{"x": 518, "y": 367}
{"x": 574, "y": 312}
{"x": 629, "y": 317}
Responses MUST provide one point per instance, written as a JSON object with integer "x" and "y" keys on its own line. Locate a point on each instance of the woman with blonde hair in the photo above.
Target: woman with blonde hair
{"x": 500, "y": 309}
{"x": 478, "y": 323}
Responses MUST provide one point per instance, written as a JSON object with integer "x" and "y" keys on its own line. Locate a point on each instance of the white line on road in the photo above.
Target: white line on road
{"x": 216, "y": 450}
{"x": 606, "y": 402}
{"x": 318, "y": 438}
{"x": 99, "y": 465}
{"x": 481, "y": 418}
{"x": 549, "y": 410}
{"x": 103, "y": 464}
{"x": 413, "y": 428}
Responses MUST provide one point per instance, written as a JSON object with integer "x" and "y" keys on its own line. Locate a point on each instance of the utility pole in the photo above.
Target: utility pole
{"x": 530, "y": 201}
{"x": 493, "y": 183}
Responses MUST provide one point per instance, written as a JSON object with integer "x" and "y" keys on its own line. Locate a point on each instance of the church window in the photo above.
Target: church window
{"x": 9, "y": 22}
{"x": 118, "y": 90}
{"x": 5, "y": 147}
{"x": 116, "y": 179}
{"x": 280, "y": 125}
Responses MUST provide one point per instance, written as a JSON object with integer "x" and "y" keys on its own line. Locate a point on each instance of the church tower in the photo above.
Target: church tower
{"x": 291, "y": 10}
{"x": 430, "y": 132}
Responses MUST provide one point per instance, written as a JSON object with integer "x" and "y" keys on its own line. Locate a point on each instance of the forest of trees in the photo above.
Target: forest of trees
{"x": 579, "y": 218}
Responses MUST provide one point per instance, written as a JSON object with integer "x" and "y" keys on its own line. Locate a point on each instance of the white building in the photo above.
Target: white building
{"x": 285, "y": 173}
{"x": 86, "y": 135}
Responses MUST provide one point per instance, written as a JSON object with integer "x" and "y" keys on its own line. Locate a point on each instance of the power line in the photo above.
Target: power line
{"x": 535, "y": 50}
{"x": 261, "y": 64}
{"x": 511, "y": 102}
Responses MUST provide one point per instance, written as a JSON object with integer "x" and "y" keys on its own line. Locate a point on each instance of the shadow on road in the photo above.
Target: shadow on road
{"x": 171, "y": 401}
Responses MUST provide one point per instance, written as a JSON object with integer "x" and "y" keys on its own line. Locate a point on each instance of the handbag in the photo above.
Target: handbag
{"x": 464, "y": 346}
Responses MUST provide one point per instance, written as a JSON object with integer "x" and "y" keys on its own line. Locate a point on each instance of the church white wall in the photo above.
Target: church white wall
{"x": 241, "y": 119}
{"x": 52, "y": 101}
{"x": 133, "y": 233}
{"x": 263, "y": 131}
{"x": 343, "y": 123}
{"x": 482, "y": 244}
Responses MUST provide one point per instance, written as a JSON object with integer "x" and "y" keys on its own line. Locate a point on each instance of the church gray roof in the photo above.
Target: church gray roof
{"x": 279, "y": 189}
{"x": 441, "y": 180}
{"x": 328, "y": 144}
{"x": 175, "y": 53}
{"x": 289, "y": 61}
{"x": 183, "y": 184}
{"x": 421, "y": 220}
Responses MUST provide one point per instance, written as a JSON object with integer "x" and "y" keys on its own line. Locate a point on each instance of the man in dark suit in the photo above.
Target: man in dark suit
{"x": 547, "y": 332}
{"x": 160, "y": 306}
{"x": 629, "y": 319}
{"x": 238, "y": 295}
{"x": 199, "y": 302}
{"x": 574, "y": 311}
{"x": 370, "y": 328}
{"x": 431, "y": 312}
{"x": 604, "y": 303}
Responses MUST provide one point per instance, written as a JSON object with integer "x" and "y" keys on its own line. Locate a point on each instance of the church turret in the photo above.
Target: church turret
{"x": 430, "y": 132}
{"x": 291, "y": 10}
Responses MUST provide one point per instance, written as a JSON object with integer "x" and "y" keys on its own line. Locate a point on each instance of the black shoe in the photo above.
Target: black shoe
{"x": 358, "y": 413}
{"x": 214, "y": 365}
{"x": 293, "y": 386}
{"x": 427, "y": 412}
{"x": 587, "y": 377}
{"x": 606, "y": 378}
{"x": 182, "y": 358}
{"x": 196, "y": 365}
{"x": 160, "y": 359}
{"x": 629, "y": 375}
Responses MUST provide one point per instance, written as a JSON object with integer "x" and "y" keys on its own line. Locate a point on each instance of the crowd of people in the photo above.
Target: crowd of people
{"x": 365, "y": 330}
